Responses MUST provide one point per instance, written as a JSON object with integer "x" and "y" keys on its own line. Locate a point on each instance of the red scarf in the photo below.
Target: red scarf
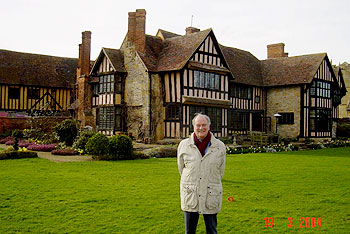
{"x": 202, "y": 145}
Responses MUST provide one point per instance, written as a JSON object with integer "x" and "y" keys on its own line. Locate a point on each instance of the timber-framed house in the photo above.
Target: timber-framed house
{"x": 159, "y": 82}
{"x": 37, "y": 85}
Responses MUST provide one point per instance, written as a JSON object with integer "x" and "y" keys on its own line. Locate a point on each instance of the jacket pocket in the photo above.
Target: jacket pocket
{"x": 189, "y": 195}
{"x": 214, "y": 195}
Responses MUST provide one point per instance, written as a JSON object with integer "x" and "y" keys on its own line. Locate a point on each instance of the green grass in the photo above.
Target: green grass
{"x": 142, "y": 196}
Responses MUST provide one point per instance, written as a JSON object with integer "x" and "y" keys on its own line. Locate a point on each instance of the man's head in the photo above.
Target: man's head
{"x": 201, "y": 125}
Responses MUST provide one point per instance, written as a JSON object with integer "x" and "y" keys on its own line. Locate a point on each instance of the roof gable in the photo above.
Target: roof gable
{"x": 37, "y": 70}
{"x": 291, "y": 70}
{"x": 165, "y": 34}
{"x": 177, "y": 51}
{"x": 114, "y": 57}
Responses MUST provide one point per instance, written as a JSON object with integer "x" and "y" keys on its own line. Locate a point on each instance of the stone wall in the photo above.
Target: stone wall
{"x": 343, "y": 113}
{"x": 158, "y": 110}
{"x": 284, "y": 99}
{"x": 136, "y": 94}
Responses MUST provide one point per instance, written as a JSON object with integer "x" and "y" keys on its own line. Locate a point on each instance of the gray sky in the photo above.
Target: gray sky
{"x": 54, "y": 27}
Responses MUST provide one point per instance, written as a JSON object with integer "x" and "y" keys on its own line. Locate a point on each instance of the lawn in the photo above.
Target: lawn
{"x": 142, "y": 196}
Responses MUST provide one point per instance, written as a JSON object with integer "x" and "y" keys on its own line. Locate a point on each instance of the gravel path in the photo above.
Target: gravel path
{"x": 55, "y": 158}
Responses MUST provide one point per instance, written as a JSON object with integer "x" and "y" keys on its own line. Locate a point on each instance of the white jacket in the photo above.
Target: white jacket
{"x": 200, "y": 184}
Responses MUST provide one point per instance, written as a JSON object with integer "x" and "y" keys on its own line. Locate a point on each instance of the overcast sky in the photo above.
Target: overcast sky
{"x": 54, "y": 27}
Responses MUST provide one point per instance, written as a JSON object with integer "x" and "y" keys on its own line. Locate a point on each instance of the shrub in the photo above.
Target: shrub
{"x": 343, "y": 130}
{"x": 120, "y": 148}
{"x": 97, "y": 145}
{"x": 81, "y": 140}
{"x": 13, "y": 154}
{"x": 66, "y": 131}
{"x": 44, "y": 147}
{"x": 67, "y": 151}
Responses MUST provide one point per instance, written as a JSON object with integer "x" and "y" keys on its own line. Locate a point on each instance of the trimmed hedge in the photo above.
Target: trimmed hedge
{"x": 97, "y": 145}
{"x": 13, "y": 154}
{"x": 120, "y": 148}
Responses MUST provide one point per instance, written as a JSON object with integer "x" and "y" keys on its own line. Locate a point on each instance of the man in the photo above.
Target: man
{"x": 201, "y": 163}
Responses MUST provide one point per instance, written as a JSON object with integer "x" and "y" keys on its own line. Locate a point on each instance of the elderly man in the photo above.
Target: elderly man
{"x": 201, "y": 163}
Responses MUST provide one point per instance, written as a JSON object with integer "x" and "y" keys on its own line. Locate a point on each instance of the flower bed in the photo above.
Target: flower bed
{"x": 263, "y": 149}
{"x": 64, "y": 152}
{"x": 44, "y": 147}
{"x": 289, "y": 147}
{"x": 6, "y": 139}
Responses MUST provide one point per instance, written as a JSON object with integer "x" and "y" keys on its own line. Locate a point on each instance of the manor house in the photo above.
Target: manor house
{"x": 152, "y": 86}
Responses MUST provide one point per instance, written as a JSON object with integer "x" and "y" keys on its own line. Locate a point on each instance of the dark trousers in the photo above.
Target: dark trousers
{"x": 191, "y": 221}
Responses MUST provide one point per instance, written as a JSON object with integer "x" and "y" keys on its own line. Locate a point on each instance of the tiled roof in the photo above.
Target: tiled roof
{"x": 178, "y": 50}
{"x": 154, "y": 46}
{"x": 243, "y": 65}
{"x": 291, "y": 70}
{"x": 116, "y": 57}
{"x": 38, "y": 70}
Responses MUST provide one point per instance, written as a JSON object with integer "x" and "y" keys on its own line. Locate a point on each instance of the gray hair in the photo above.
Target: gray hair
{"x": 200, "y": 114}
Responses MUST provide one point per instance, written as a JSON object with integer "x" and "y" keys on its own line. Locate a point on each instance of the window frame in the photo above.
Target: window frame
{"x": 33, "y": 93}
{"x": 14, "y": 93}
{"x": 206, "y": 80}
{"x": 172, "y": 112}
{"x": 241, "y": 91}
{"x": 239, "y": 120}
{"x": 286, "y": 118}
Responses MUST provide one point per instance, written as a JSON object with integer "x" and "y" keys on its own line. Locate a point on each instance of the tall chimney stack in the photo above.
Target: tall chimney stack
{"x": 137, "y": 29}
{"x": 276, "y": 51}
{"x": 85, "y": 50}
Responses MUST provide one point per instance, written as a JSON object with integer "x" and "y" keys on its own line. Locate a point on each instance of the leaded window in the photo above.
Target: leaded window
{"x": 106, "y": 83}
{"x": 239, "y": 120}
{"x": 106, "y": 118}
{"x": 172, "y": 112}
{"x": 320, "y": 120}
{"x": 320, "y": 88}
{"x": 206, "y": 80}
{"x": 286, "y": 118}
{"x": 240, "y": 91}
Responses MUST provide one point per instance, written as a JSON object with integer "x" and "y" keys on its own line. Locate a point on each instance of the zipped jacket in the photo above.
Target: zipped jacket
{"x": 200, "y": 184}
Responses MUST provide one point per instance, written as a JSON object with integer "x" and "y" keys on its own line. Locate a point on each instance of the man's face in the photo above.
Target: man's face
{"x": 201, "y": 127}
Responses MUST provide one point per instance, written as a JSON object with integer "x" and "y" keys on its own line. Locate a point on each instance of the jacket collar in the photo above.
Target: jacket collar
{"x": 213, "y": 140}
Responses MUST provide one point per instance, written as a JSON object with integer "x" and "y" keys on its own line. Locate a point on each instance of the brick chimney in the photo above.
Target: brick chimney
{"x": 276, "y": 51}
{"x": 190, "y": 30}
{"x": 85, "y": 51}
{"x": 84, "y": 89}
{"x": 137, "y": 29}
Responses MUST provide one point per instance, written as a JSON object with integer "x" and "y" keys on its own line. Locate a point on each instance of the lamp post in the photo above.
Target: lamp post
{"x": 277, "y": 116}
